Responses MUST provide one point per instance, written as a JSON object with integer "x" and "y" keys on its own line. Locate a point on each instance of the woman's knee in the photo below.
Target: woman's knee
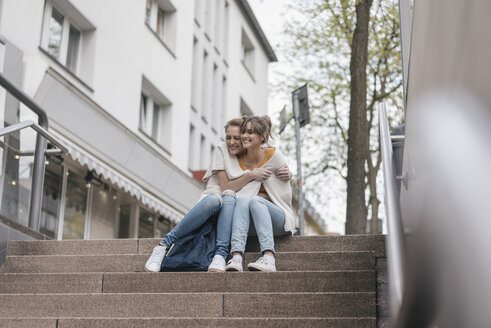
{"x": 229, "y": 192}
{"x": 257, "y": 201}
{"x": 241, "y": 210}
{"x": 243, "y": 202}
{"x": 229, "y": 197}
{"x": 213, "y": 200}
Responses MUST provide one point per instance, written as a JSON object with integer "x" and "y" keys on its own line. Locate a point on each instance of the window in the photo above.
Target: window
{"x": 247, "y": 55}
{"x": 161, "y": 23}
{"x": 215, "y": 98}
{"x": 223, "y": 102}
{"x": 195, "y": 77}
{"x": 148, "y": 11}
{"x": 192, "y": 150}
{"x": 226, "y": 15}
{"x": 160, "y": 17}
{"x": 217, "y": 23}
{"x": 208, "y": 18}
{"x": 73, "y": 47}
{"x": 155, "y": 115}
{"x": 244, "y": 109}
{"x": 205, "y": 87}
{"x": 55, "y": 32}
{"x": 68, "y": 37}
{"x": 203, "y": 155}
{"x": 198, "y": 11}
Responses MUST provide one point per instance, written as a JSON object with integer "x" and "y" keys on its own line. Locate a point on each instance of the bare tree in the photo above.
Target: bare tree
{"x": 348, "y": 51}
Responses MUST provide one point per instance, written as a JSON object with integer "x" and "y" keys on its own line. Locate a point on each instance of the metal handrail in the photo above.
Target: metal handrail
{"x": 37, "y": 128}
{"x": 15, "y": 151}
{"x": 39, "y": 152}
{"x": 395, "y": 236}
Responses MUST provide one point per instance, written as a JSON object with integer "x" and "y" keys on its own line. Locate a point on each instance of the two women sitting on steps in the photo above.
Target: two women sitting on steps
{"x": 244, "y": 171}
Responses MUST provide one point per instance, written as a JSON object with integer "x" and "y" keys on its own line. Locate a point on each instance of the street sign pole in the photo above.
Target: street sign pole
{"x": 299, "y": 161}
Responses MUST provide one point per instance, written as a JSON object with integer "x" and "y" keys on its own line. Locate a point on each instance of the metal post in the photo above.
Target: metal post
{"x": 405, "y": 27}
{"x": 61, "y": 214}
{"x": 299, "y": 163}
{"x": 37, "y": 183}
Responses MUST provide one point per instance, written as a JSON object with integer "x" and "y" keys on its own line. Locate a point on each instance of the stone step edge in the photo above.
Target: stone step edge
{"x": 183, "y": 318}
{"x": 362, "y": 236}
{"x": 204, "y": 273}
{"x": 192, "y": 293}
{"x": 142, "y": 254}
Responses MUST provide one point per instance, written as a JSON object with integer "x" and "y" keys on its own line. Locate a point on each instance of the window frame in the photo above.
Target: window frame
{"x": 156, "y": 124}
{"x": 161, "y": 19}
{"x": 82, "y": 67}
{"x": 248, "y": 55}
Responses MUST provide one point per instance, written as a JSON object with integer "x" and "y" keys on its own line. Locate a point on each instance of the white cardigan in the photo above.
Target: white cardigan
{"x": 278, "y": 190}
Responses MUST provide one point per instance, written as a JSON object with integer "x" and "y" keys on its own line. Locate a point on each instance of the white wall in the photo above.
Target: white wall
{"x": 126, "y": 49}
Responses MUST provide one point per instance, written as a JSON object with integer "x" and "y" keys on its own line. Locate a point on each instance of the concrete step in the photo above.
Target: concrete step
{"x": 187, "y": 282}
{"x": 190, "y": 322}
{"x": 285, "y": 261}
{"x": 233, "y": 305}
{"x": 72, "y": 247}
{"x": 375, "y": 243}
{"x": 333, "y": 281}
{"x": 38, "y": 283}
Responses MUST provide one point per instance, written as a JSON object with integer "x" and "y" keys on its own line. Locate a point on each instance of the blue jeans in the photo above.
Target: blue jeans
{"x": 200, "y": 213}
{"x": 268, "y": 220}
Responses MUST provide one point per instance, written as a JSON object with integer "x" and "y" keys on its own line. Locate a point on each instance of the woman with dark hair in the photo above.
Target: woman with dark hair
{"x": 267, "y": 202}
{"x": 219, "y": 196}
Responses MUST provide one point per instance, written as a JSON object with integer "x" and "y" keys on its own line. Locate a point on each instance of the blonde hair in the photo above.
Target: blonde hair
{"x": 234, "y": 122}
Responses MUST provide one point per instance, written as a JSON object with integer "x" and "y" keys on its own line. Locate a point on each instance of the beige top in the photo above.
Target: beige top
{"x": 278, "y": 190}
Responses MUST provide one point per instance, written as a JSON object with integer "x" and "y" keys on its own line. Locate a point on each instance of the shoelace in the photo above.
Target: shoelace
{"x": 234, "y": 261}
{"x": 264, "y": 261}
{"x": 216, "y": 260}
{"x": 261, "y": 260}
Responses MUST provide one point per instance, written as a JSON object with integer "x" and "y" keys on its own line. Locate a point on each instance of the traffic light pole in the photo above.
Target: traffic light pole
{"x": 299, "y": 162}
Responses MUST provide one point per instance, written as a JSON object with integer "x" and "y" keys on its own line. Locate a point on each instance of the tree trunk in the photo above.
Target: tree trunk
{"x": 356, "y": 210}
{"x": 374, "y": 202}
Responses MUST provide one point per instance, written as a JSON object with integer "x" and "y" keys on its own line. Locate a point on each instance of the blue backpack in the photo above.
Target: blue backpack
{"x": 193, "y": 252}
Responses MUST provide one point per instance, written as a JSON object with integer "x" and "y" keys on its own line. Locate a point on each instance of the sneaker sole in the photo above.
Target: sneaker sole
{"x": 253, "y": 268}
{"x": 232, "y": 269}
{"x": 215, "y": 270}
{"x": 150, "y": 270}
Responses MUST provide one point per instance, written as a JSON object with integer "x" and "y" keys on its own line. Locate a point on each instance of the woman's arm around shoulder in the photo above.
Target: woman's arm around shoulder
{"x": 259, "y": 174}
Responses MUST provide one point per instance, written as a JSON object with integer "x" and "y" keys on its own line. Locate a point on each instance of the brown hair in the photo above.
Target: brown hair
{"x": 260, "y": 125}
{"x": 234, "y": 122}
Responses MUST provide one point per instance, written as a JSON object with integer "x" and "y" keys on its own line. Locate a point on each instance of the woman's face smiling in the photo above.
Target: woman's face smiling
{"x": 233, "y": 141}
{"x": 250, "y": 138}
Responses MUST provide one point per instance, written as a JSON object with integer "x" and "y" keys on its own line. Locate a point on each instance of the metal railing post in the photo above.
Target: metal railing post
{"x": 39, "y": 157}
{"x": 37, "y": 183}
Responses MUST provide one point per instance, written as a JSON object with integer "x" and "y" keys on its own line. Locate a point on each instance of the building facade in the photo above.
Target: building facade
{"x": 139, "y": 92}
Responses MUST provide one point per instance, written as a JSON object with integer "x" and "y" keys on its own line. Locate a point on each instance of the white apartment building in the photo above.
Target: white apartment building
{"x": 139, "y": 91}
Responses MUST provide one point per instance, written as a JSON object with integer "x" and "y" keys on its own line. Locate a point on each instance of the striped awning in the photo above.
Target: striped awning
{"x": 112, "y": 175}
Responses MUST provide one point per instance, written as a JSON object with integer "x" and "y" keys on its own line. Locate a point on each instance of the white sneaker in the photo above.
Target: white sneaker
{"x": 155, "y": 260}
{"x": 264, "y": 263}
{"x": 235, "y": 264}
{"x": 217, "y": 264}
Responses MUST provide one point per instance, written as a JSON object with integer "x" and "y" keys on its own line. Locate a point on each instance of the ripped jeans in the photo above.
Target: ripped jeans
{"x": 200, "y": 213}
{"x": 268, "y": 220}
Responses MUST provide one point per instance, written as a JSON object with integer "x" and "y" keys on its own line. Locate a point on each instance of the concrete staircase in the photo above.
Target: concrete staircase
{"x": 322, "y": 282}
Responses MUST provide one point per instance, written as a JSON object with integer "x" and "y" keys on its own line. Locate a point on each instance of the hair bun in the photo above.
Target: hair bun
{"x": 267, "y": 120}
{"x": 244, "y": 117}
